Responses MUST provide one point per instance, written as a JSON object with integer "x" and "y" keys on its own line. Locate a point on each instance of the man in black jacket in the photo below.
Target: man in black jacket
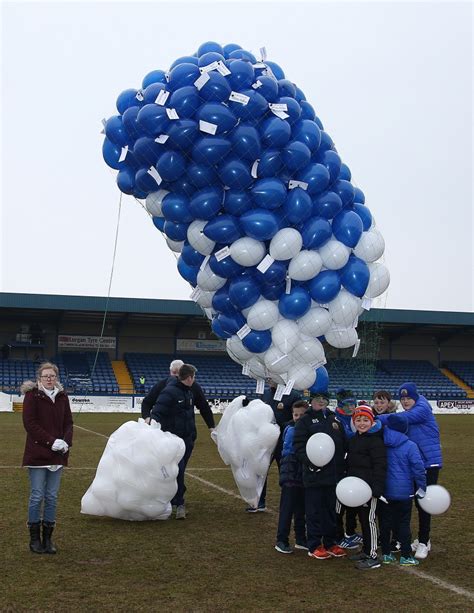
{"x": 174, "y": 410}
{"x": 198, "y": 395}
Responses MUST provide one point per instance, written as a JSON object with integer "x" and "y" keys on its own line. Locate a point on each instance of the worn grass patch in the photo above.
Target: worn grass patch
{"x": 219, "y": 559}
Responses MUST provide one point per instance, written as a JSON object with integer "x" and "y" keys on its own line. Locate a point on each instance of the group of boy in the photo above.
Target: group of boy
{"x": 397, "y": 454}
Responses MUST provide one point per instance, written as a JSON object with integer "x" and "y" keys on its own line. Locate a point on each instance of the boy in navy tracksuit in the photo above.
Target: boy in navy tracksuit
{"x": 405, "y": 474}
{"x": 292, "y": 490}
{"x": 367, "y": 459}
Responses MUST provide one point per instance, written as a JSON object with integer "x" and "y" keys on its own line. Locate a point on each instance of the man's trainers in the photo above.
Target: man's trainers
{"x": 320, "y": 553}
{"x": 180, "y": 512}
{"x": 357, "y": 538}
{"x": 336, "y": 552}
{"x": 349, "y": 542}
{"x": 422, "y": 551}
{"x": 367, "y": 564}
{"x": 283, "y": 548}
{"x": 388, "y": 559}
{"x": 258, "y": 509}
{"x": 410, "y": 561}
{"x": 356, "y": 557}
{"x": 301, "y": 545}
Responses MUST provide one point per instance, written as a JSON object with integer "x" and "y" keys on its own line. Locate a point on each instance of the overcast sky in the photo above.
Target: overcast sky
{"x": 392, "y": 83}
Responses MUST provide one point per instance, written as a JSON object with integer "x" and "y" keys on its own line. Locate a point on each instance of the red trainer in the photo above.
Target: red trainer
{"x": 320, "y": 553}
{"x": 336, "y": 552}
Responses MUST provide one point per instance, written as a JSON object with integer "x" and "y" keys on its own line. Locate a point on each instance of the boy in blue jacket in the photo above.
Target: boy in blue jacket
{"x": 404, "y": 469}
{"x": 292, "y": 489}
{"x": 419, "y": 424}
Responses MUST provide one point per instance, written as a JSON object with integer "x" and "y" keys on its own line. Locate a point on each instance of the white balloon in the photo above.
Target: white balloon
{"x": 197, "y": 239}
{"x": 237, "y": 351}
{"x": 379, "y": 280}
{"x": 305, "y": 265}
{"x": 437, "y": 500}
{"x": 343, "y": 309}
{"x": 316, "y": 322}
{"x": 371, "y": 245}
{"x": 353, "y": 492}
{"x": 175, "y": 246}
{"x": 308, "y": 350}
{"x": 334, "y": 254}
{"x": 263, "y": 315}
{"x": 247, "y": 251}
{"x": 342, "y": 338}
{"x": 303, "y": 376}
{"x": 205, "y": 299}
{"x": 285, "y": 244}
{"x": 320, "y": 449}
{"x": 285, "y": 335}
{"x": 256, "y": 368}
{"x": 154, "y": 201}
{"x": 277, "y": 361}
{"x": 208, "y": 280}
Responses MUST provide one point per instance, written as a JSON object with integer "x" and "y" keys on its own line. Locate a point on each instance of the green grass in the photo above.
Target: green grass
{"x": 219, "y": 559}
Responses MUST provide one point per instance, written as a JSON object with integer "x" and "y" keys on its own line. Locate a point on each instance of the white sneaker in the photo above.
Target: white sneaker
{"x": 414, "y": 545}
{"x": 422, "y": 551}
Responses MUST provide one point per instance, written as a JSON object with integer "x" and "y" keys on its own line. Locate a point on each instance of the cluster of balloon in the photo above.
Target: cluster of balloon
{"x": 240, "y": 176}
{"x": 136, "y": 476}
{"x": 353, "y": 492}
{"x": 246, "y": 437}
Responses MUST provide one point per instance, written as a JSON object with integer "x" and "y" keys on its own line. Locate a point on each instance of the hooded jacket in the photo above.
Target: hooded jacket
{"x": 291, "y": 470}
{"x": 174, "y": 410}
{"x": 405, "y": 468}
{"x": 45, "y": 420}
{"x": 367, "y": 458}
{"x": 420, "y": 425}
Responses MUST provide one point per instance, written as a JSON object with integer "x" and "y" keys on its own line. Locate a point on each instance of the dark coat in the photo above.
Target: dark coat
{"x": 281, "y": 408}
{"x": 291, "y": 469}
{"x": 367, "y": 459}
{"x": 174, "y": 410}
{"x": 200, "y": 401}
{"x": 44, "y": 422}
{"x": 307, "y": 425}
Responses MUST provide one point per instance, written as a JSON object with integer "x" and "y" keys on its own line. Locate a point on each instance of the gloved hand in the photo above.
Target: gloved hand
{"x": 420, "y": 493}
{"x": 60, "y": 445}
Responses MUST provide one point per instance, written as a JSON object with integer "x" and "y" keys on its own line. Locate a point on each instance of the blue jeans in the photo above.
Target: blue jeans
{"x": 44, "y": 486}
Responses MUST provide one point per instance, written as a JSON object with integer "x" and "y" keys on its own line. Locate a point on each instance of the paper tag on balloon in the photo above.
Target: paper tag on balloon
{"x": 260, "y": 386}
{"x": 279, "y": 392}
{"x": 288, "y": 387}
{"x": 246, "y": 369}
{"x": 356, "y": 348}
{"x": 268, "y": 72}
{"x": 222, "y": 69}
{"x": 162, "y": 97}
{"x": 172, "y": 114}
{"x": 222, "y": 253}
{"x": 318, "y": 364}
{"x": 274, "y": 106}
{"x": 104, "y": 122}
{"x": 240, "y": 98}
{"x": 282, "y": 357}
{"x": 244, "y": 330}
{"x": 259, "y": 65}
{"x": 257, "y": 84}
{"x": 366, "y": 304}
{"x": 123, "y": 153}
{"x": 201, "y": 81}
{"x": 161, "y": 139}
{"x": 139, "y": 95}
{"x": 167, "y": 77}
{"x": 288, "y": 285}
{"x": 204, "y": 262}
{"x": 206, "y": 126}
{"x": 209, "y": 67}
{"x": 155, "y": 174}
{"x": 263, "y": 54}
{"x": 196, "y": 293}
{"x": 281, "y": 114}
{"x": 324, "y": 306}
{"x": 292, "y": 184}
{"x": 265, "y": 263}
{"x": 253, "y": 170}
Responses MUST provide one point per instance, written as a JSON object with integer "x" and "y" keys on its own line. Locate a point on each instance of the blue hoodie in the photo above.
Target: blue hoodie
{"x": 420, "y": 425}
{"x": 404, "y": 466}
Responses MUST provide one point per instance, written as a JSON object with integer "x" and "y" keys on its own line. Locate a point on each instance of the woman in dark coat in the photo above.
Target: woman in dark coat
{"x": 48, "y": 423}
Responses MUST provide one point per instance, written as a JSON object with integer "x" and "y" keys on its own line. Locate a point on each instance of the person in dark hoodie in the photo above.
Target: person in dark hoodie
{"x": 367, "y": 459}
{"x": 174, "y": 411}
{"x": 320, "y": 482}
{"x": 419, "y": 424}
{"x": 48, "y": 423}
{"x": 405, "y": 468}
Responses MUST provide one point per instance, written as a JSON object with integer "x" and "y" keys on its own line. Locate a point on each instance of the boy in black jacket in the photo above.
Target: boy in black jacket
{"x": 367, "y": 459}
{"x": 320, "y": 482}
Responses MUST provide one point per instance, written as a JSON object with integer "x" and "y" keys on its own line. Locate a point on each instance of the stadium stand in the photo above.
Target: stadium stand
{"x": 464, "y": 370}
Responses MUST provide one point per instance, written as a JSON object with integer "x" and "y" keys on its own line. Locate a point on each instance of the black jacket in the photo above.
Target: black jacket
{"x": 174, "y": 410}
{"x": 199, "y": 400}
{"x": 311, "y": 423}
{"x": 367, "y": 459}
{"x": 281, "y": 408}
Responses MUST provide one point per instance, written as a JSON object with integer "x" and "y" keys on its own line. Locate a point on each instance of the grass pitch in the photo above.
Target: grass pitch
{"x": 219, "y": 558}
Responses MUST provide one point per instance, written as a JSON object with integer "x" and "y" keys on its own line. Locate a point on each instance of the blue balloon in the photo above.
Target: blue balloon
{"x": 176, "y": 231}
{"x": 218, "y": 330}
{"x": 185, "y": 59}
{"x": 145, "y": 182}
{"x": 229, "y": 48}
{"x": 147, "y": 151}
{"x": 269, "y": 193}
{"x": 364, "y": 214}
{"x": 183, "y": 134}
{"x": 186, "y": 101}
{"x": 126, "y": 181}
{"x": 257, "y": 341}
{"x": 286, "y": 88}
{"x": 155, "y": 76}
{"x": 221, "y": 301}
{"x": 153, "y": 120}
{"x": 189, "y": 273}
{"x": 202, "y": 176}
{"x": 345, "y": 174}
{"x": 260, "y": 224}
{"x": 216, "y": 89}
{"x": 241, "y": 54}
{"x": 316, "y": 232}
{"x": 270, "y": 163}
{"x": 295, "y": 155}
{"x": 241, "y": 75}
{"x": 207, "y": 202}
{"x": 182, "y": 186}
{"x": 127, "y": 99}
{"x": 268, "y": 88}
{"x": 171, "y": 165}
{"x": 255, "y": 108}
{"x": 235, "y": 174}
{"x": 245, "y": 141}
{"x": 217, "y": 114}
{"x": 298, "y": 206}
{"x": 210, "y": 57}
{"x": 325, "y": 286}
{"x": 175, "y": 207}
{"x": 115, "y": 131}
{"x": 347, "y": 227}
{"x": 159, "y": 223}
{"x": 293, "y": 109}
{"x": 327, "y": 205}
{"x": 226, "y": 268}
{"x": 190, "y": 255}
{"x": 209, "y": 47}
{"x": 244, "y": 291}
{"x": 111, "y": 154}
{"x": 130, "y": 123}
{"x": 308, "y": 133}
{"x": 275, "y": 132}
{"x": 223, "y": 229}
{"x": 276, "y": 69}
{"x": 320, "y": 125}
{"x": 332, "y": 161}
{"x": 273, "y": 292}
{"x": 274, "y": 275}
{"x": 316, "y": 176}
{"x": 345, "y": 191}
{"x": 210, "y": 150}
{"x": 355, "y": 276}
{"x": 359, "y": 196}
{"x": 237, "y": 202}
{"x": 152, "y": 91}
{"x": 299, "y": 94}
{"x": 295, "y": 304}
{"x": 182, "y": 75}
{"x": 322, "y": 381}
{"x": 307, "y": 111}
{"x": 326, "y": 141}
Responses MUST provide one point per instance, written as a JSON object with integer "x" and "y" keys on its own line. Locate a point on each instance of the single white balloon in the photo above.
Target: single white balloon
{"x": 437, "y": 500}
{"x": 154, "y": 201}
{"x": 341, "y": 338}
{"x": 208, "y": 280}
{"x": 305, "y": 265}
{"x": 334, "y": 254}
{"x": 263, "y": 315}
{"x": 197, "y": 239}
{"x": 320, "y": 449}
{"x": 303, "y": 376}
{"x": 285, "y": 335}
{"x": 286, "y": 244}
{"x": 247, "y": 251}
{"x": 344, "y": 308}
{"x": 379, "y": 280}
{"x": 316, "y": 322}
{"x": 175, "y": 246}
{"x": 353, "y": 492}
{"x": 371, "y": 246}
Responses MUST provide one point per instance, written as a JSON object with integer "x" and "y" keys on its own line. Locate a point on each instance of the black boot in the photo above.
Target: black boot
{"x": 35, "y": 540}
{"x": 48, "y": 545}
